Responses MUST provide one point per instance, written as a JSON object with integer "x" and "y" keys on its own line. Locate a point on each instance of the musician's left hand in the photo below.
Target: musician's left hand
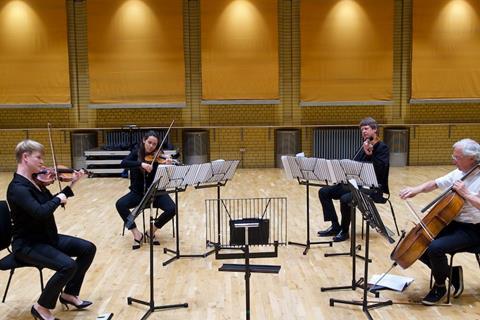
{"x": 368, "y": 147}
{"x": 77, "y": 175}
{"x": 461, "y": 189}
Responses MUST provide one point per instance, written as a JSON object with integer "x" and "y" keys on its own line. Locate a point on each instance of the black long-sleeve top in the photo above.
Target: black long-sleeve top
{"x": 139, "y": 179}
{"x": 32, "y": 212}
{"x": 380, "y": 158}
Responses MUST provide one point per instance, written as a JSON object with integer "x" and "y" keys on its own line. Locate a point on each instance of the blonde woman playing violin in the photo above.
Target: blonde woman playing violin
{"x": 35, "y": 237}
{"x": 142, "y": 174}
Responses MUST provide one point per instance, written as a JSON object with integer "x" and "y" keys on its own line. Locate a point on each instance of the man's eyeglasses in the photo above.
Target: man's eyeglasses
{"x": 456, "y": 158}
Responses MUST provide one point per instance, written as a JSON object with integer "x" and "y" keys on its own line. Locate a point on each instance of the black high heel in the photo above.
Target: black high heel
{"x": 155, "y": 242}
{"x": 36, "y": 315}
{"x": 138, "y": 243}
{"x": 82, "y": 305}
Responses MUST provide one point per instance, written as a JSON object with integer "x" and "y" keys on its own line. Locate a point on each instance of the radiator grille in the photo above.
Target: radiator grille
{"x": 125, "y": 139}
{"x": 336, "y": 143}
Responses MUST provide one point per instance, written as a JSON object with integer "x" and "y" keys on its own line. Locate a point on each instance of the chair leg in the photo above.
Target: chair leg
{"x": 8, "y": 284}
{"x": 393, "y": 216}
{"x": 449, "y": 283}
{"x": 41, "y": 279}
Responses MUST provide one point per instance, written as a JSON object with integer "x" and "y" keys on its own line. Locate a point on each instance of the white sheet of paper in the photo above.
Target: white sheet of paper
{"x": 394, "y": 282}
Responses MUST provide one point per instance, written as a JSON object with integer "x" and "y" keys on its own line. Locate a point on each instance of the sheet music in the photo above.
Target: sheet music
{"x": 171, "y": 177}
{"x": 286, "y": 167}
{"x": 362, "y": 172}
{"x": 337, "y": 171}
{"x": 216, "y": 171}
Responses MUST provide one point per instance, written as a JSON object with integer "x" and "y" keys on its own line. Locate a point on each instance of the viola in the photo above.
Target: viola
{"x": 445, "y": 209}
{"x": 47, "y": 176}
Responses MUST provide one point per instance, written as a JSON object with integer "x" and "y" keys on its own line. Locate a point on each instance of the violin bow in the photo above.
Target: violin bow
{"x": 161, "y": 144}
{"x": 54, "y": 159}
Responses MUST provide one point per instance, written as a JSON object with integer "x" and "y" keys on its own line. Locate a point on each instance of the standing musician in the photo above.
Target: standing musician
{"x": 35, "y": 237}
{"x": 464, "y": 230}
{"x": 373, "y": 150}
{"x": 142, "y": 173}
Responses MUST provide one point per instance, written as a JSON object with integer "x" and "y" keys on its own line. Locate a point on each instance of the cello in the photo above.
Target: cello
{"x": 446, "y": 207}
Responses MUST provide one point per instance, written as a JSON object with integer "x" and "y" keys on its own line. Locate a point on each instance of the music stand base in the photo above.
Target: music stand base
{"x": 345, "y": 254}
{"x": 366, "y": 305}
{"x": 179, "y": 256}
{"x": 308, "y": 244}
{"x": 153, "y": 308}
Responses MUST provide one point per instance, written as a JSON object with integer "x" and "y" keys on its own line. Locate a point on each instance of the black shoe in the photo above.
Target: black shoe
{"x": 435, "y": 295}
{"x": 82, "y": 305}
{"x": 332, "y": 231}
{"x": 155, "y": 242}
{"x": 138, "y": 243}
{"x": 457, "y": 281}
{"x": 37, "y": 315}
{"x": 341, "y": 236}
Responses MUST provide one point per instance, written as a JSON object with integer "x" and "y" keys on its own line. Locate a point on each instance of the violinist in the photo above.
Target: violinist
{"x": 373, "y": 150}
{"x": 464, "y": 230}
{"x": 142, "y": 174}
{"x": 36, "y": 240}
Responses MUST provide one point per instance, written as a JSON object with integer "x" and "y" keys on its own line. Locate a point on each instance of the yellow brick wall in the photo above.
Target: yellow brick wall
{"x": 61, "y": 143}
{"x": 432, "y": 145}
{"x": 141, "y": 117}
{"x": 253, "y": 146}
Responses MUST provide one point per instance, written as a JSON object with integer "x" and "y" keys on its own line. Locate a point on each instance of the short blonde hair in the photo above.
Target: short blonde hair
{"x": 27, "y": 146}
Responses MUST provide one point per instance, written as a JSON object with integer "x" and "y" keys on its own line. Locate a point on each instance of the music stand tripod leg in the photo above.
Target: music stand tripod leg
{"x": 151, "y": 303}
{"x": 176, "y": 252}
{"x": 353, "y": 248}
{"x": 366, "y": 305}
{"x": 308, "y": 243}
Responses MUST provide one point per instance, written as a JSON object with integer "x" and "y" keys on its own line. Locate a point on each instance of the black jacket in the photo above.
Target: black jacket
{"x": 32, "y": 212}
{"x": 381, "y": 163}
{"x": 139, "y": 179}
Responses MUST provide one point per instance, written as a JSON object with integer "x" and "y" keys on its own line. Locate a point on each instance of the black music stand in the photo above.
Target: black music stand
{"x": 175, "y": 179}
{"x": 148, "y": 200}
{"x": 215, "y": 174}
{"x": 363, "y": 174}
{"x": 254, "y": 221}
{"x": 373, "y": 219}
{"x": 306, "y": 170}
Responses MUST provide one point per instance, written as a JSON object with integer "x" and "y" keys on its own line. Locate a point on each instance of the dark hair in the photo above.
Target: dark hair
{"x": 369, "y": 121}
{"x": 141, "y": 149}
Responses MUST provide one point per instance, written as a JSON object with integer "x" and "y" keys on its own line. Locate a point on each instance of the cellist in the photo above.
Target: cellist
{"x": 464, "y": 230}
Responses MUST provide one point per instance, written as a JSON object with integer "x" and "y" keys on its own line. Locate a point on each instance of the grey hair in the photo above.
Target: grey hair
{"x": 369, "y": 121}
{"x": 27, "y": 146}
{"x": 470, "y": 148}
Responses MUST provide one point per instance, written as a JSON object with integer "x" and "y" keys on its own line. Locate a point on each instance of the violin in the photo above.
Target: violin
{"x": 445, "y": 209}
{"x": 161, "y": 159}
{"x": 47, "y": 176}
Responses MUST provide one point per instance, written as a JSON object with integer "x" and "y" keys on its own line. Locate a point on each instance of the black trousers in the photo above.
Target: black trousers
{"x": 336, "y": 192}
{"x": 69, "y": 272}
{"x": 132, "y": 199}
{"x": 342, "y": 192}
{"x": 453, "y": 238}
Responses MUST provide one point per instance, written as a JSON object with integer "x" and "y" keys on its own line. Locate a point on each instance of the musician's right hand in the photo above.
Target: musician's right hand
{"x": 147, "y": 167}
{"x": 408, "y": 192}
{"x": 62, "y": 197}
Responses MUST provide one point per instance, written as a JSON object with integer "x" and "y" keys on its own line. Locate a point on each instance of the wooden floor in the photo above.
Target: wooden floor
{"x": 118, "y": 272}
